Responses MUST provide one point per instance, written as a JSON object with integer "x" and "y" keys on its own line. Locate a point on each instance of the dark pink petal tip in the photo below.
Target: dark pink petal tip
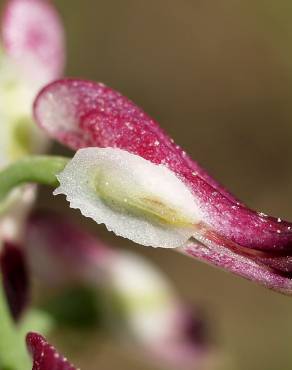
{"x": 15, "y": 279}
{"x": 44, "y": 355}
{"x": 81, "y": 113}
{"x": 33, "y": 36}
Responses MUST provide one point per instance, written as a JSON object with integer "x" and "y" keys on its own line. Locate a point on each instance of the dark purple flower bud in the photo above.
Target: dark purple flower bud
{"x": 15, "y": 278}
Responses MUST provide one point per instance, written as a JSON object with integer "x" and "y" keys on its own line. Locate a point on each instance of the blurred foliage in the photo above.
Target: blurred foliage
{"x": 75, "y": 307}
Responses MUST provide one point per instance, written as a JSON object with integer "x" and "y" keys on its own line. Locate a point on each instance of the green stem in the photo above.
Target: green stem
{"x": 33, "y": 169}
{"x": 13, "y": 354}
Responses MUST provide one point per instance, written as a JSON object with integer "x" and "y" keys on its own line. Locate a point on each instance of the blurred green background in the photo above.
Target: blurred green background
{"x": 217, "y": 75}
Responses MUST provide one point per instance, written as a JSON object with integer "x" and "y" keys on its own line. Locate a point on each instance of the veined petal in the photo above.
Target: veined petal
{"x": 135, "y": 198}
{"x": 44, "y": 355}
{"x": 33, "y": 36}
{"x": 79, "y": 113}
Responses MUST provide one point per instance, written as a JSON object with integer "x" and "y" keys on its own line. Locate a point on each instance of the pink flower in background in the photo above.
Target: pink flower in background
{"x": 32, "y": 48}
{"x": 139, "y": 307}
{"x": 225, "y": 233}
{"x": 32, "y": 53}
{"x": 33, "y": 38}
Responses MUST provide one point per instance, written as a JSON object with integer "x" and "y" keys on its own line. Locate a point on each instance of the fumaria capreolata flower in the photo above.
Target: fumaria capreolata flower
{"x": 225, "y": 233}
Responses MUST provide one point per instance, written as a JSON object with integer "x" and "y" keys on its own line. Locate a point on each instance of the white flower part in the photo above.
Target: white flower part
{"x": 13, "y": 212}
{"x": 18, "y": 134}
{"x": 146, "y": 296}
{"x": 133, "y": 197}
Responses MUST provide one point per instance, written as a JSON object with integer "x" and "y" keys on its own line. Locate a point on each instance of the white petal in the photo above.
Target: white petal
{"x": 97, "y": 174}
{"x": 149, "y": 300}
{"x": 18, "y": 133}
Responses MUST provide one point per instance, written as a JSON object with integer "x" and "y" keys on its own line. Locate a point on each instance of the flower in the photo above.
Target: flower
{"x": 32, "y": 53}
{"x": 44, "y": 355}
{"x": 137, "y": 304}
{"x": 230, "y": 235}
{"x": 15, "y": 278}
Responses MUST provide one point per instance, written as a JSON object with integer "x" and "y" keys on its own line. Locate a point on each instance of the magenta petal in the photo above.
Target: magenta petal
{"x": 33, "y": 36}
{"x": 80, "y": 113}
{"x": 218, "y": 255}
{"x": 45, "y": 356}
{"x": 280, "y": 264}
{"x": 15, "y": 279}
{"x": 89, "y": 101}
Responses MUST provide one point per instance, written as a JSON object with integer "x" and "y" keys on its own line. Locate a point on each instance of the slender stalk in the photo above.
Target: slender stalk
{"x": 13, "y": 355}
{"x": 31, "y": 169}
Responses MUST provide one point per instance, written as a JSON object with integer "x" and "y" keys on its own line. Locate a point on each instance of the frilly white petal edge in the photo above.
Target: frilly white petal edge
{"x": 128, "y": 175}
